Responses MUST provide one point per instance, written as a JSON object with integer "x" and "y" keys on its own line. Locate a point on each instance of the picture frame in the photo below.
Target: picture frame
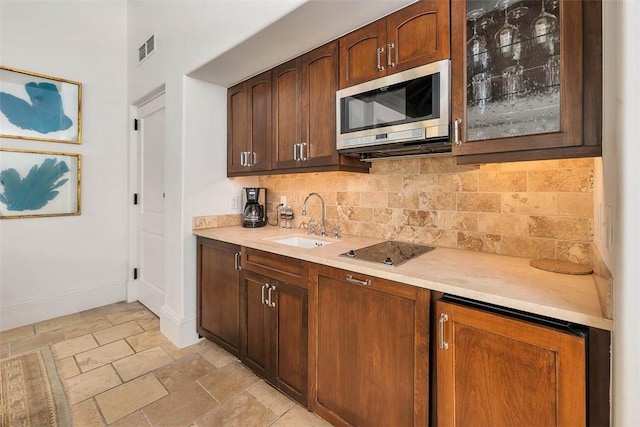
{"x": 39, "y": 107}
{"x": 39, "y": 183}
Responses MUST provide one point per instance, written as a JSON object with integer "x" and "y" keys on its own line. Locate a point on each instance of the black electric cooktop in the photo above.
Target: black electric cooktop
{"x": 389, "y": 252}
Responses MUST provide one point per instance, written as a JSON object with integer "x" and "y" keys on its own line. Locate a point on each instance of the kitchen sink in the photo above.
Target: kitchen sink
{"x": 303, "y": 242}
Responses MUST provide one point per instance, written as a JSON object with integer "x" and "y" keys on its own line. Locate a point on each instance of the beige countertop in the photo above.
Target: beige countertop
{"x": 496, "y": 279}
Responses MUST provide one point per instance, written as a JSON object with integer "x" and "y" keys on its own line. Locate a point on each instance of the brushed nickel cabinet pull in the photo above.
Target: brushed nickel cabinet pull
{"x": 237, "y": 261}
{"x": 303, "y": 152}
{"x": 271, "y": 303}
{"x": 456, "y": 131}
{"x": 380, "y": 51}
{"x": 264, "y": 300}
{"x": 390, "y": 62}
{"x": 443, "y": 344}
{"x": 350, "y": 279}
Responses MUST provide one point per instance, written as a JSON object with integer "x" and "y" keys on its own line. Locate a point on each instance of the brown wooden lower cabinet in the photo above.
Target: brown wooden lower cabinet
{"x": 218, "y": 293}
{"x": 274, "y": 332}
{"x": 494, "y": 370}
{"x": 356, "y": 349}
{"x": 369, "y": 349}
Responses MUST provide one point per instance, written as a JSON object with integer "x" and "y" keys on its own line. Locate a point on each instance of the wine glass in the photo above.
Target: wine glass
{"x": 481, "y": 86}
{"x": 512, "y": 81}
{"x": 510, "y": 44}
{"x": 477, "y": 51}
{"x": 508, "y": 34}
{"x": 515, "y": 15}
{"x": 543, "y": 30}
{"x": 552, "y": 73}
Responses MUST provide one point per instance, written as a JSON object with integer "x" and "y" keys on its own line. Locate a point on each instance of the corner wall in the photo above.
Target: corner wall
{"x": 621, "y": 174}
{"x": 54, "y": 266}
{"x": 188, "y": 34}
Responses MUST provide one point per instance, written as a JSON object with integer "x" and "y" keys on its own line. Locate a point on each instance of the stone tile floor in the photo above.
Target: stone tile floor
{"x": 119, "y": 370}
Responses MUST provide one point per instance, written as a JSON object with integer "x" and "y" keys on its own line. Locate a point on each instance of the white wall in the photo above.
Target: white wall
{"x": 621, "y": 177}
{"x": 188, "y": 34}
{"x": 207, "y": 191}
{"x": 616, "y": 178}
{"x": 55, "y": 266}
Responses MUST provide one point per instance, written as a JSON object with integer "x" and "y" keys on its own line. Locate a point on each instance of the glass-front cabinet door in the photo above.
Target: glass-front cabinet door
{"x": 516, "y": 75}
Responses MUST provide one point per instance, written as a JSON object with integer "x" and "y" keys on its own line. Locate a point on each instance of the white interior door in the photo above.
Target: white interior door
{"x": 150, "y": 239}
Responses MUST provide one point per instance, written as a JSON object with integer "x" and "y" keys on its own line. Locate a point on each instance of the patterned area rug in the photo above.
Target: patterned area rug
{"x": 31, "y": 393}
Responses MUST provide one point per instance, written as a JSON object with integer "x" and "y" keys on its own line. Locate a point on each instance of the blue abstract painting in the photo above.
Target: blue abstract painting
{"x": 39, "y": 183}
{"x": 40, "y": 107}
{"x": 43, "y": 113}
{"x": 36, "y": 189}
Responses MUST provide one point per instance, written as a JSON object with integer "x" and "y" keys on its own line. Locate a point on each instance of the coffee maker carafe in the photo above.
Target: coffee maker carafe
{"x": 254, "y": 201}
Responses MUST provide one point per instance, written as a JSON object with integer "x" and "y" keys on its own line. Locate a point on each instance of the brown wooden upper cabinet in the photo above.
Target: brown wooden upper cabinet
{"x": 415, "y": 35}
{"x": 249, "y": 126}
{"x": 304, "y": 113}
{"x": 526, "y": 79}
{"x": 494, "y": 370}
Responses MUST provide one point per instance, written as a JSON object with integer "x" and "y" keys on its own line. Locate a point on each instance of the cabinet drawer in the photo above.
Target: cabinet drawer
{"x": 279, "y": 267}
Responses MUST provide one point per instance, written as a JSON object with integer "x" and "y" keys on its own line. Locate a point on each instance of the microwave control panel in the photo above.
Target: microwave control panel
{"x": 361, "y": 141}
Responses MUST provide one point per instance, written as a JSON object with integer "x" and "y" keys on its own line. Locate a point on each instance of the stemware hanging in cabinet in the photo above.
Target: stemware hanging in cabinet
{"x": 517, "y": 68}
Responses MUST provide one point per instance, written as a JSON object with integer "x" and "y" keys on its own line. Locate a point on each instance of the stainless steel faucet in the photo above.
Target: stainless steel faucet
{"x": 323, "y": 230}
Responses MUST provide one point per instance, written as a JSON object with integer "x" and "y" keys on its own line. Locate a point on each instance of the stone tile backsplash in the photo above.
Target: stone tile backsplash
{"x": 540, "y": 209}
{"x": 213, "y": 221}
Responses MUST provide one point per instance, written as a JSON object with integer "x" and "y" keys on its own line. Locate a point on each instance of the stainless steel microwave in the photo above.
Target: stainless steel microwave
{"x": 406, "y": 113}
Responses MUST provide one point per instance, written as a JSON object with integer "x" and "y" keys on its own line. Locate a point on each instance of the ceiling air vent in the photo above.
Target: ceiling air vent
{"x": 146, "y": 49}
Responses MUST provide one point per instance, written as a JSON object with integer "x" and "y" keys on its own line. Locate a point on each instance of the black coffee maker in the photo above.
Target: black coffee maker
{"x": 254, "y": 202}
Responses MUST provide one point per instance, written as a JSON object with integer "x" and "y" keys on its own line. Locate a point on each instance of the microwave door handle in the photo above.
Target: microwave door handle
{"x": 380, "y": 51}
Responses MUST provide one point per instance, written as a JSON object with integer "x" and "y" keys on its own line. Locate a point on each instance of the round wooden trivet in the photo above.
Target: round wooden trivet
{"x": 560, "y": 266}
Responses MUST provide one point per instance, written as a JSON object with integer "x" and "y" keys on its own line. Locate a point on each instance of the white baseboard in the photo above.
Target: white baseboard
{"x": 181, "y": 332}
{"x": 150, "y": 296}
{"x": 37, "y": 310}
{"x": 132, "y": 291}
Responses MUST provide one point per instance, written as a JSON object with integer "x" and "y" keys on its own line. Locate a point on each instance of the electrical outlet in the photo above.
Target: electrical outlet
{"x": 235, "y": 203}
{"x": 283, "y": 200}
